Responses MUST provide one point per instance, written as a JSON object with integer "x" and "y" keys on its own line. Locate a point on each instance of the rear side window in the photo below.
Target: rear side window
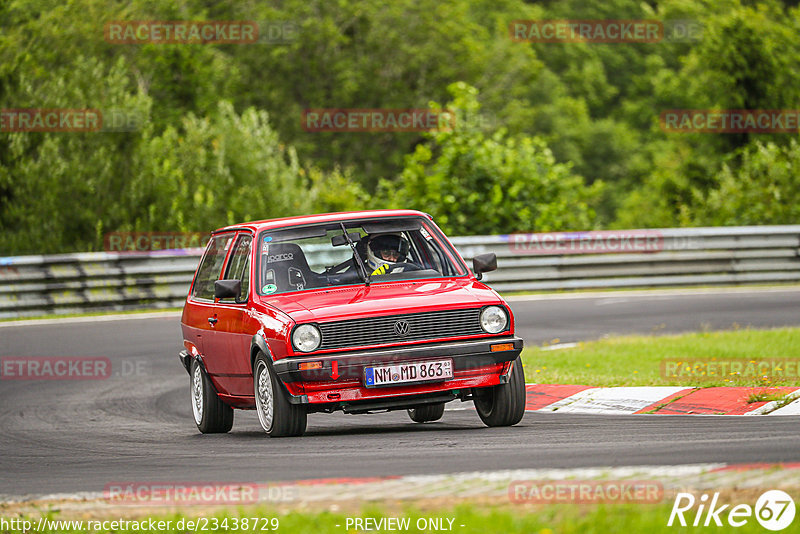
{"x": 211, "y": 266}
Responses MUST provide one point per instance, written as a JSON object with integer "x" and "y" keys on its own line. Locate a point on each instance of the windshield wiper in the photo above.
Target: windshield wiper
{"x": 362, "y": 269}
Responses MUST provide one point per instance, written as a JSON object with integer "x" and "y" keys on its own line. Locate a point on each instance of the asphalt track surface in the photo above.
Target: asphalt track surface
{"x": 69, "y": 436}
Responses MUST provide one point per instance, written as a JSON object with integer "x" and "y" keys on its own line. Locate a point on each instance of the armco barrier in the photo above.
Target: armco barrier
{"x": 95, "y": 281}
{"x": 686, "y": 257}
{"x": 70, "y": 283}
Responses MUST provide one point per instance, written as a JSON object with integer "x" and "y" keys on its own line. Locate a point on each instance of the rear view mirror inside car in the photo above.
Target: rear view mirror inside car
{"x": 339, "y": 239}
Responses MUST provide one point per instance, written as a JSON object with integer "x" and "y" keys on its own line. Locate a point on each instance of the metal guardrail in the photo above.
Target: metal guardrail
{"x": 685, "y": 257}
{"x": 95, "y": 281}
{"x": 73, "y": 283}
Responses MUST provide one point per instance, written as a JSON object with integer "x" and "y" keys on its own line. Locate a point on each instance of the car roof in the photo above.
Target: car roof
{"x": 283, "y": 222}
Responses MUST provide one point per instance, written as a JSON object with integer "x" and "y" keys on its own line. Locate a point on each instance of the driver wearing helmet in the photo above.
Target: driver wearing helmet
{"x": 386, "y": 253}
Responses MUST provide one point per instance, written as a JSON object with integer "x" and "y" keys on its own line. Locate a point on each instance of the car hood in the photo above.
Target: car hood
{"x": 386, "y": 298}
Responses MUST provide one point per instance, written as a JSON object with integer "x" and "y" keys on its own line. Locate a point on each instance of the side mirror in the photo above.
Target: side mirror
{"x": 483, "y": 263}
{"x": 227, "y": 289}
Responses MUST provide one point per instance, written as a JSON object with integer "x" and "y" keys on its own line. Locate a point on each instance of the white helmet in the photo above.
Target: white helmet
{"x": 386, "y": 248}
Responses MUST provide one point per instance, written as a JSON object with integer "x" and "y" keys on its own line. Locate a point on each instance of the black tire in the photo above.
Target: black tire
{"x": 503, "y": 405}
{"x": 426, "y": 412}
{"x": 211, "y": 415}
{"x": 285, "y": 419}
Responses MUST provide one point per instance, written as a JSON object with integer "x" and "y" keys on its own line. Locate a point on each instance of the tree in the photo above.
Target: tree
{"x": 214, "y": 171}
{"x": 765, "y": 189}
{"x": 60, "y": 191}
{"x": 472, "y": 183}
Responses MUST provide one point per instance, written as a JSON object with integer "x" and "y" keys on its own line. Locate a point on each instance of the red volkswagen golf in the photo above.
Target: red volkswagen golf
{"x": 361, "y": 312}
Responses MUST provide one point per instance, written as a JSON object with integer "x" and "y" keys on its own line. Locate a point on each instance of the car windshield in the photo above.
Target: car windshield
{"x": 318, "y": 256}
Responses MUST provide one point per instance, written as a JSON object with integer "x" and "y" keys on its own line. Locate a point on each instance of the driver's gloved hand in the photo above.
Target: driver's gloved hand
{"x": 383, "y": 269}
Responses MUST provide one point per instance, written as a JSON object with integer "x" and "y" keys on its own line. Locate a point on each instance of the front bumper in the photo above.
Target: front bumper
{"x": 340, "y": 379}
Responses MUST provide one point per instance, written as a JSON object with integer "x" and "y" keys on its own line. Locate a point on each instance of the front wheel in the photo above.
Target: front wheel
{"x": 426, "y": 412}
{"x": 278, "y": 417}
{"x": 211, "y": 415}
{"x": 503, "y": 405}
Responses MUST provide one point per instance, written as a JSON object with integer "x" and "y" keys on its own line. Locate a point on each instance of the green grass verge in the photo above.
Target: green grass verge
{"x": 637, "y": 360}
{"x": 559, "y": 518}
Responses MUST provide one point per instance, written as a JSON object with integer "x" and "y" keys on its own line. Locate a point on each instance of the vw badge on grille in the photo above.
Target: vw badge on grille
{"x": 402, "y": 328}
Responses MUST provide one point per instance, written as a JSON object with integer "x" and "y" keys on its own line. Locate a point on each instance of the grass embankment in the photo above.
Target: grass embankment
{"x": 640, "y": 360}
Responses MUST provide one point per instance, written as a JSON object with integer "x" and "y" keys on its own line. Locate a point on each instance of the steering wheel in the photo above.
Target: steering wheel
{"x": 412, "y": 266}
{"x": 408, "y": 266}
{"x": 342, "y": 273}
{"x": 335, "y": 269}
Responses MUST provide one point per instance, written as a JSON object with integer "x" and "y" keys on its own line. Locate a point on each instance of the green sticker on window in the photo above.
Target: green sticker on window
{"x": 269, "y": 288}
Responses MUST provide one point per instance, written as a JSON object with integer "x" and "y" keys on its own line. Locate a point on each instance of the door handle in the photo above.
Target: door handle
{"x": 213, "y": 320}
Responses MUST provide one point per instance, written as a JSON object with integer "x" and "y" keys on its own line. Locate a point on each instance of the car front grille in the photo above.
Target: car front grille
{"x": 390, "y": 329}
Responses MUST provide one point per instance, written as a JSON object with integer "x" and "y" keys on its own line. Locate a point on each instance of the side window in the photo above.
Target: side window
{"x": 211, "y": 266}
{"x": 430, "y": 257}
{"x": 239, "y": 266}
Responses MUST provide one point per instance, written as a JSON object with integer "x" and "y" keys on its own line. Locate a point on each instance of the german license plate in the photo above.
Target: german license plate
{"x": 401, "y": 373}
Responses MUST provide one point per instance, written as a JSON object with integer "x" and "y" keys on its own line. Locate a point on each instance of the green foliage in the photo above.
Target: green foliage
{"x": 764, "y": 189}
{"x": 60, "y": 192}
{"x": 473, "y": 183}
{"x": 553, "y": 135}
{"x": 747, "y": 59}
{"x": 335, "y": 191}
{"x": 399, "y": 54}
{"x": 212, "y": 172}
